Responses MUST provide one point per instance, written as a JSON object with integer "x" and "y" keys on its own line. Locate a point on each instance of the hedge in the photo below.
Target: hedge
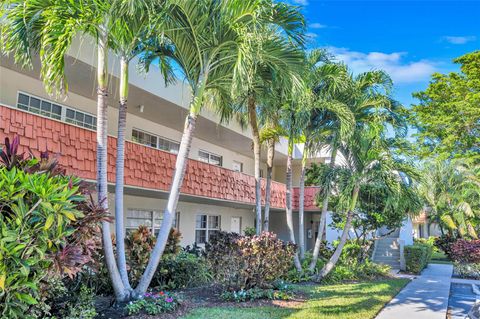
{"x": 417, "y": 257}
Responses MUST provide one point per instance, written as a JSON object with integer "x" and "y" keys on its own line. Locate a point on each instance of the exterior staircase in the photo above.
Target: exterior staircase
{"x": 387, "y": 250}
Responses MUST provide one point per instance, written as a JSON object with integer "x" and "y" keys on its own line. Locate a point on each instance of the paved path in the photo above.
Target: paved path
{"x": 425, "y": 297}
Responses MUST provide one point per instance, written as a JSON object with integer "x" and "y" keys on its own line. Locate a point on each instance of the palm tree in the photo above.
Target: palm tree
{"x": 323, "y": 79}
{"x": 295, "y": 115}
{"x": 366, "y": 95}
{"x": 451, "y": 193}
{"x": 48, "y": 28}
{"x": 368, "y": 161}
{"x": 269, "y": 53}
{"x": 203, "y": 39}
{"x": 127, "y": 35}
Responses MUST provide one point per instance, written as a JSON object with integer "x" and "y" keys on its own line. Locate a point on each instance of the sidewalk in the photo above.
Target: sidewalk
{"x": 426, "y": 297}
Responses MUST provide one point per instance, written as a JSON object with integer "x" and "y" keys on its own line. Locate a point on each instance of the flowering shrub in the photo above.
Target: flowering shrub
{"x": 466, "y": 251}
{"x": 244, "y": 262}
{"x": 154, "y": 303}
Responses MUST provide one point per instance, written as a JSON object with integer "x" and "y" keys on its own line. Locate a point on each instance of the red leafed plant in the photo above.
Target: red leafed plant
{"x": 466, "y": 251}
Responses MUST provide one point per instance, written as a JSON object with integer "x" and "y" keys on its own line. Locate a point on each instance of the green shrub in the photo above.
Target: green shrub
{"x": 153, "y": 304}
{"x": 250, "y": 231}
{"x": 48, "y": 230}
{"x": 248, "y": 262}
{"x": 366, "y": 270}
{"x": 257, "y": 293}
{"x": 417, "y": 257}
{"x": 181, "y": 271}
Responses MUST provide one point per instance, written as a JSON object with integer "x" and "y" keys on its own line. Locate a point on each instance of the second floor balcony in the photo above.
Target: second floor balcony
{"x": 145, "y": 168}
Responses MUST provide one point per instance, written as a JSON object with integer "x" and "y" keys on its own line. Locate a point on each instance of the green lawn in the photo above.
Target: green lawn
{"x": 349, "y": 301}
{"x": 438, "y": 257}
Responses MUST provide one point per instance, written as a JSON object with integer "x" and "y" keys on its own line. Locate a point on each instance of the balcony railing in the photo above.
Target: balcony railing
{"x": 145, "y": 167}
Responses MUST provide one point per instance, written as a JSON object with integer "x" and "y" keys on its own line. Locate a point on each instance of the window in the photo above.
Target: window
{"x": 237, "y": 166}
{"x": 155, "y": 141}
{"x": 210, "y": 158}
{"x": 205, "y": 225}
{"x": 144, "y": 138}
{"x": 50, "y": 109}
{"x": 150, "y": 218}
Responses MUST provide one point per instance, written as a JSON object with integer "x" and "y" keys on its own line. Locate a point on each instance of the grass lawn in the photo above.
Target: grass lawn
{"x": 439, "y": 257}
{"x": 347, "y": 301}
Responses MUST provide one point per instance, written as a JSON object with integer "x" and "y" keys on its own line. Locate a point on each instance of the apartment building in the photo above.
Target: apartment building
{"x": 218, "y": 190}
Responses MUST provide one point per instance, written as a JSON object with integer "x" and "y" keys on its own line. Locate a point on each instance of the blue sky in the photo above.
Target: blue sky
{"x": 408, "y": 39}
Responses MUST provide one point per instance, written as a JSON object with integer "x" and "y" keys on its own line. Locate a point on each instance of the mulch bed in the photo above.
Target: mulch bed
{"x": 206, "y": 296}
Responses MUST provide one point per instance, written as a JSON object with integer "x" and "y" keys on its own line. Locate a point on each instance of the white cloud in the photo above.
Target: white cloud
{"x": 300, "y": 2}
{"x": 459, "y": 40}
{"x": 393, "y": 63}
{"x": 317, "y": 26}
{"x": 311, "y": 35}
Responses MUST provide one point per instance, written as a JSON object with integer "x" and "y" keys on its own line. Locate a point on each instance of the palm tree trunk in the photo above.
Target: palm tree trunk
{"x": 301, "y": 205}
{"x": 343, "y": 238}
{"x": 102, "y": 191}
{"x": 288, "y": 206}
{"x": 252, "y": 117}
{"x": 120, "y": 173}
{"x": 268, "y": 186}
{"x": 323, "y": 218}
{"x": 169, "y": 212}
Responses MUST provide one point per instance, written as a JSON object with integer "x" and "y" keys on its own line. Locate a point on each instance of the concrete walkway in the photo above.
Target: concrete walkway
{"x": 425, "y": 297}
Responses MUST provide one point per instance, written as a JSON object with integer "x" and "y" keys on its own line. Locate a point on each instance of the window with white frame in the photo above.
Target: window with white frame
{"x": 150, "y": 218}
{"x": 34, "y": 104}
{"x": 155, "y": 141}
{"x": 205, "y": 225}
{"x": 210, "y": 158}
{"x": 237, "y": 166}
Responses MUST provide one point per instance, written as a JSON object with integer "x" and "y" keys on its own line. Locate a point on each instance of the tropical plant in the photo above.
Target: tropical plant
{"x": 42, "y": 211}
{"x": 48, "y": 28}
{"x": 366, "y": 95}
{"x": 204, "y": 39}
{"x": 451, "y": 195}
{"x": 269, "y": 56}
{"x": 367, "y": 161}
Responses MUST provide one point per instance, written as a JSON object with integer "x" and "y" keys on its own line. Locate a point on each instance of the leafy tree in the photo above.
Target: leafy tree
{"x": 447, "y": 116}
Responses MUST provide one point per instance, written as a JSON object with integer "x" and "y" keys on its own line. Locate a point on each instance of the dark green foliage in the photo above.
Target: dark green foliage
{"x": 444, "y": 243}
{"x": 181, "y": 271}
{"x": 447, "y": 117}
{"x": 417, "y": 257}
{"x": 244, "y": 262}
{"x": 177, "y": 269}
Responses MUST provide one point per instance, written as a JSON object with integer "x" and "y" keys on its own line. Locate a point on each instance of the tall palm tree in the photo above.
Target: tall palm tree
{"x": 368, "y": 161}
{"x": 48, "y": 28}
{"x": 295, "y": 115}
{"x": 366, "y": 95}
{"x": 322, "y": 79}
{"x": 269, "y": 53}
{"x": 203, "y": 39}
{"x": 127, "y": 36}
